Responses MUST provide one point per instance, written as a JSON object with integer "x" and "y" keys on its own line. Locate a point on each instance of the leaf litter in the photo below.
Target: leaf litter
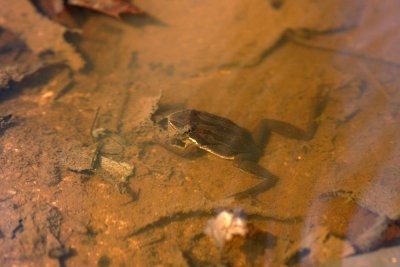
{"x": 39, "y": 33}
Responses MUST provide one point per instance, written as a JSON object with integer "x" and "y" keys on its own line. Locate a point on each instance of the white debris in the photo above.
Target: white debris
{"x": 225, "y": 225}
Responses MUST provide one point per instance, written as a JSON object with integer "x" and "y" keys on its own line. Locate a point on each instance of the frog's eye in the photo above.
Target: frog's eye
{"x": 187, "y": 129}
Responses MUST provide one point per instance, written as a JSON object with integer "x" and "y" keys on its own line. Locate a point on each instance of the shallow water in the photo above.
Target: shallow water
{"x": 239, "y": 60}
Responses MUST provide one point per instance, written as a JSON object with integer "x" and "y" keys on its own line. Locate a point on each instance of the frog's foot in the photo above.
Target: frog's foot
{"x": 259, "y": 172}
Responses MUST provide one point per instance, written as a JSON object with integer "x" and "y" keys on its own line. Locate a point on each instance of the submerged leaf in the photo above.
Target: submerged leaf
{"x": 51, "y": 8}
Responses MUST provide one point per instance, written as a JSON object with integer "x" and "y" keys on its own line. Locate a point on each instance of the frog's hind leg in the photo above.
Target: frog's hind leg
{"x": 261, "y": 135}
{"x": 269, "y": 179}
{"x": 287, "y": 130}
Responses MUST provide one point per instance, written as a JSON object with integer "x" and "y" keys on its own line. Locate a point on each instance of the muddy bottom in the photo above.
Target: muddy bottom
{"x": 88, "y": 176}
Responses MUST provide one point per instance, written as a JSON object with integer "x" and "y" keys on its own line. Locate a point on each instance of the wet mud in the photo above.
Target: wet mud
{"x": 84, "y": 181}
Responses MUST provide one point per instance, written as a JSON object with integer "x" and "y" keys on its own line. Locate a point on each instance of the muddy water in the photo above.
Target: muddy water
{"x": 242, "y": 61}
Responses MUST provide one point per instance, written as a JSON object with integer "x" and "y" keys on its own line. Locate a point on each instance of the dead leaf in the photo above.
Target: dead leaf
{"x": 57, "y": 10}
{"x": 112, "y": 8}
{"x": 18, "y": 62}
{"x": 343, "y": 217}
{"x": 40, "y": 34}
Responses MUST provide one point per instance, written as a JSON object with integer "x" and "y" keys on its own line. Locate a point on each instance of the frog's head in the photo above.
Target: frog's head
{"x": 179, "y": 123}
{"x": 179, "y": 119}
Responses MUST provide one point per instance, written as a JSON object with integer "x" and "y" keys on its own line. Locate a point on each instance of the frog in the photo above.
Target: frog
{"x": 189, "y": 131}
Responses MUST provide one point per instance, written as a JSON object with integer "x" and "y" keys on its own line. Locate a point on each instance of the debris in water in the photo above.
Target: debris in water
{"x": 227, "y": 224}
{"x": 120, "y": 171}
{"x": 317, "y": 247}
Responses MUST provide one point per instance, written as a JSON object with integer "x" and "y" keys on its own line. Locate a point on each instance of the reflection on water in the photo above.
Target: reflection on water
{"x": 89, "y": 156}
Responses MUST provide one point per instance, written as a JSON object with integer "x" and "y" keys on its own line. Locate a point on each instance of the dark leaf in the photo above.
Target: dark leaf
{"x": 112, "y": 8}
{"x": 51, "y": 8}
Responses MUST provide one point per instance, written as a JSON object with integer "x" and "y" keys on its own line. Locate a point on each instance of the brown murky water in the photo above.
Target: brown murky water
{"x": 85, "y": 184}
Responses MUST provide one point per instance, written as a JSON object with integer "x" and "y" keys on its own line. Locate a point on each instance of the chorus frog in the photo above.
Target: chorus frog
{"x": 190, "y": 130}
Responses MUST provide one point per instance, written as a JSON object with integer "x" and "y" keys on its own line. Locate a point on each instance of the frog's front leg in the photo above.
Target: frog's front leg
{"x": 186, "y": 150}
{"x": 246, "y": 164}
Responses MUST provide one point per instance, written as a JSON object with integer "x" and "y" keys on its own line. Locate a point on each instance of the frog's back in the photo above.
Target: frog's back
{"x": 219, "y": 136}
